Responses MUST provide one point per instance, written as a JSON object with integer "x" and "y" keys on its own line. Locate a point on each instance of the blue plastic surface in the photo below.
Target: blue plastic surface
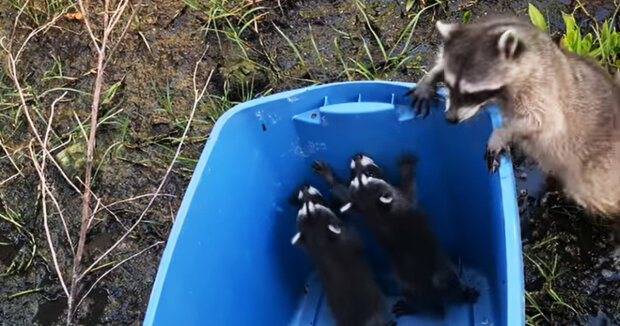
{"x": 229, "y": 261}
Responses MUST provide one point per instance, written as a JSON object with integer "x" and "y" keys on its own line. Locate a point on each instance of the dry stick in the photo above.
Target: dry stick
{"x": 48, "y": 236}
{"x": 113, "y": 268}
{"x": 97, "y": 210}
{"x": 45, "y": 153}
{"x": 134, "y": 12}
{"x": 12, "y": 69}
{"x": 135, "y": 198}
{"x": 197, "y": 97}
{"x": 108, "y": 27}
{"x": 8, "y": 155}
{"x": 9, "y": 178}
{"x": 19, "y": 13}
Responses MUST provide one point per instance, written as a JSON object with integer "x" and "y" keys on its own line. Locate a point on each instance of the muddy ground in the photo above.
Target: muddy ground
{"x": 278, "y": 45}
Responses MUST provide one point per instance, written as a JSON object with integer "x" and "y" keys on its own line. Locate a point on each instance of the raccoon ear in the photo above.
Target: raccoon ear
{"x": 335, "y": 229}
{"x": 386, "y": 199}
{"x": 296, "y": 239}
{"x": 346, "y": 207}
{"x": 444, "y": 28}
{"x": 508, "y": 44}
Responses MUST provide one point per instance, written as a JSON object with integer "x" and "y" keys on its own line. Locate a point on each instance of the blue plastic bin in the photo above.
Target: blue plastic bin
{"x": 229, "y": 260}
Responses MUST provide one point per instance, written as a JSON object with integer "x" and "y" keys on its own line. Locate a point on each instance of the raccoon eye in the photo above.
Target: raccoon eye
{"x": 481, "y": 96}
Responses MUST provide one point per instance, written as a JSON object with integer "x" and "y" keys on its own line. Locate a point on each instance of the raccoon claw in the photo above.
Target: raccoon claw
{"x": 492, "y": 158}
{"x": 320, "y": 168}
{"x": 421, "y": 107}
{"x": 423, "y": 94}
{"x": 407, "y": 160}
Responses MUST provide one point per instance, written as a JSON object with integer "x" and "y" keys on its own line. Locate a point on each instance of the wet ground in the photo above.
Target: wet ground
{"x": 255, "y": 48}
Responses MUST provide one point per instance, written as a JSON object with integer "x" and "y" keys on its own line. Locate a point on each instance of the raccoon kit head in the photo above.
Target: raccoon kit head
{"x": 368, "y": 189}
{"x": 362, "y": 163}
{"x": 479, "y": 60}
{"x": 317, "y": 225}
{"x": 305, "y": 193}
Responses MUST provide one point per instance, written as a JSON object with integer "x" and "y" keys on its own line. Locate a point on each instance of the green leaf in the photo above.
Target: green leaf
{"x": 109, "y": 93}
{"x": 537, "y": 18}
{"x": 569, "y": 22}
{"x": 586, "y": 44}
{"x": 409, "y": 5}
{"x": 467, "y": 17}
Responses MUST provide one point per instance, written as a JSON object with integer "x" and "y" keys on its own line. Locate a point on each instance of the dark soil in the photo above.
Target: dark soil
{"x": 137, "y": 144}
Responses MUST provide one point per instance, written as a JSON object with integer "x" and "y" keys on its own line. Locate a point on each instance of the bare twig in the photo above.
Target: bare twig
{"x": 113, "y": 268}
{"x": 45, "y": 190}
{"x": 8, "y": 155}
{"x": 108, "y": 26}
{"x": 198, "y": 94}
{"x": 9, "y": 178}
{"x": 43, "y": 163}
{"x": 12, "y": 60}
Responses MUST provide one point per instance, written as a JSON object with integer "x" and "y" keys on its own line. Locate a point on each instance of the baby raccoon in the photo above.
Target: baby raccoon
{"x": 561, "y": 109}
{"x": 428, "y": 279}
{"x": 340, "y": 189}
{"x": 338, "y": 255}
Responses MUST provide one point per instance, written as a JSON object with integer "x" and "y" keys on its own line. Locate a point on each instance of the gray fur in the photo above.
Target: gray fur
{"x": 561, "y": 109}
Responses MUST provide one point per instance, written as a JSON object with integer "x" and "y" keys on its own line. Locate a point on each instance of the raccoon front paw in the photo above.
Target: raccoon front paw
{"x": 423, "y": 94}
{"x": 491, "y": 156}
{"x": 407, "y": 160}
{"x": 402, "y": 307}
{"x": 469, "y": 294}
{"x": 322, "y": 169}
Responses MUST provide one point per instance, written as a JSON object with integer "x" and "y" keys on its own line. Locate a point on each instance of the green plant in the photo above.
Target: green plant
{"x": 603, "y": 45}
{"x": 537, "y": 17}
{"x": 38, "y": 11}
{"x": 229, "y": 17}
{"x": 391, "y": 59}
{"x": 573, "y": 40}
{"x": 466, "y": 17}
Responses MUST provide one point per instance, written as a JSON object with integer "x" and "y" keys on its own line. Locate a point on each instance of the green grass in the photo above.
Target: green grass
{"x": 601, "y": 44}
{"x": 391, "y": 59}
{"x": 39, "y": 11}
{"x": 231, "y": 19}
{"x": 25, "y": 257}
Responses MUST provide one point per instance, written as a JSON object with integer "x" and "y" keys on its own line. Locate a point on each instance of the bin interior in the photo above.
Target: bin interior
{"x": 229, "y": 260}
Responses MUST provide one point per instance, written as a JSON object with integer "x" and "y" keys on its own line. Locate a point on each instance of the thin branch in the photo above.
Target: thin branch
{"x": 113, "y": 268}
{"x": 197, "y": 97}
{"x": 48, "y": 235}
{"x": 43, "y": 163}
{"x": 9, "y": 178}
{"x": 8, "y": 155}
